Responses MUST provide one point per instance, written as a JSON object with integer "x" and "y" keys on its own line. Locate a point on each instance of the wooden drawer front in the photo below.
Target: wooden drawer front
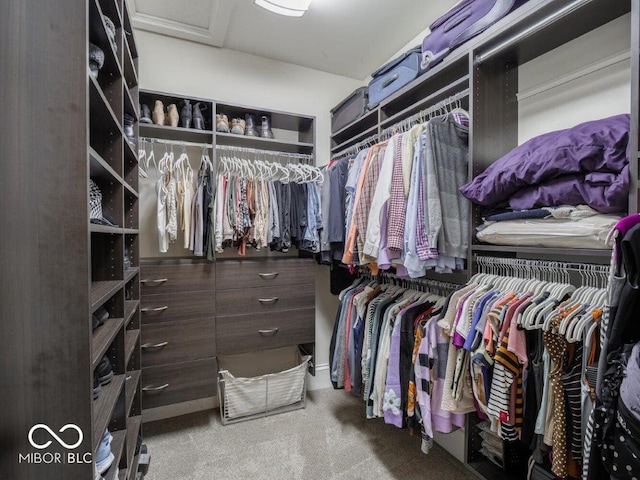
{"x": 179, "y": 306}
{"x": 179, "y": 382}
{"x": 188, "y": 277}
{"x": 176, "y": 342}
{"x": 246, "y": 333}
{"x": 265, "y": 300}
{"x": 267, "y": 273}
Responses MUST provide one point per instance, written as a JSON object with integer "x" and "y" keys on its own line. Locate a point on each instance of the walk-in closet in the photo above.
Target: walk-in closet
{"x": 313, "y": 239}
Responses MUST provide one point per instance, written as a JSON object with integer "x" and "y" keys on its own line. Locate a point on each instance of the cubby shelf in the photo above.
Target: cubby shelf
{"x": 130, "y": 341}
{"x": 130, "y": 273}
{"x": 129, "y": 310}
{"x": 102, "y": 338}
{"x": 131, "y": 388}
{"x": 246, "y": 141}
{"x": 101, "y": 292}
{"x": 117, "y": 449}
{"x": 104, "y": 406}
{"x": 133, "y": 430}
{"x": 149, "y": 130}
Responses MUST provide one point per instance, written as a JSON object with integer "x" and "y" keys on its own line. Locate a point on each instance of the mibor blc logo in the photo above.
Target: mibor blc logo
{"x": 55, "y": 457}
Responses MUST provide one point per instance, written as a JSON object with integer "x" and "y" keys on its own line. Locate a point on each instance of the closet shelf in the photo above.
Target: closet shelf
{"x": 129, "y": 274}
{"x": 583, "y": 253}
{"x": 128, "y": 30}
{"x": 130, "y": 307}
{"x": 460, "y": 85}
{"x": 94, "y": 228}
{"x": 98, "y": 36}
{"x": 130, "y": 74}
{"x": 131, "y": 388}
{"x": 103, "y": 291}
{"x": 175, "y": 133}
{"x": 102, "y": 338}
{"x": 230, "y": 139}
{"x": 130, "y": 152}
{"x": 129, "y": 105}
{"x": 100, "y": 169}
{"x": 131, "y": 190}
{"x": 133, "y": 430}
{"x": 134, "y": 467}
{"x": 103, "y": 407}
{"x": 117, "y": 448}
{"x": 131, "y": 231}
{"x": 102, "y": 115}
{"x": 368, "y": 119}
{"x": 358, "y": 138}
{"x": 130, "y": 341}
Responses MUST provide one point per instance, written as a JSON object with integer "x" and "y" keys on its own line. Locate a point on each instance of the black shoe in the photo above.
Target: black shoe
{"x": 99, "y": 317}
{"x": 145, "y": 114}
{"x": 96, "y": 387}
{"x": 198, "y": 119}
{"x": 104, "y": 371}
{"x": 186, "y": 115}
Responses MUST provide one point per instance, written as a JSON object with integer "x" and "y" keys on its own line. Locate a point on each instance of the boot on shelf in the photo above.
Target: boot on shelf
{"x": 238, "y": 126}
{"x": 186, "y": 115}
{"x": 158, "y": 113}
{"x": 145, "y": 114}
{"x": 198, "y": 119}
{"x": 172, "y": 117}
{"x": 265, "y": 129}
{"x": 222, "y": 123}
{"x": 251, "y": 122}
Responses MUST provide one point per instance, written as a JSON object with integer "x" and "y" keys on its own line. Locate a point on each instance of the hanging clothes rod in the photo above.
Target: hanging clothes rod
{"x": 356, "y": 147}
{"x": 424, "y": 115}
{"x": 177, "y": 143}
{"x": 253, "y": 151}
{"x": 414, "y": 283}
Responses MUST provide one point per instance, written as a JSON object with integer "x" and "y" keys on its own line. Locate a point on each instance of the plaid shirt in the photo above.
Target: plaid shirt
{"x": 397, "y": 203}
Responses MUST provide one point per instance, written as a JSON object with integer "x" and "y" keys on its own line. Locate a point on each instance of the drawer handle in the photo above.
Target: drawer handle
{"x": 153, "y": 390}
{"x": 151, "y": 346}
{"x": 153, "y": 283}
{"x": 269, "y": 333}
{"x": 151, "y": 309}
{"x": 269, "y": 276}
{"x": 268, "y": 300}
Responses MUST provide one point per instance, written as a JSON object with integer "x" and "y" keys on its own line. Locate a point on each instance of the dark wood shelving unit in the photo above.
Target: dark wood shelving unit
{"x": 100, "y": 169}
{"x": 130, "y": 273}
{"x": 545, "y": 252}
{"x": 130, "y": 308}
{"x": 117, "y": 448}
{"x": 245, "y": 141}
{"x": 131, "y": 389}
{"x": 368, "y": 120}
{"x": 149, "y": 130}
{"x": 104, "y": 406}
{"x": 103, "y": 291}
{"x": 103, "y": 337}
{"x": 133, "y": 428}
{"x": 356, "y": 139}
{"x": 95, "y": 228}
{"x": 131, "y": 338}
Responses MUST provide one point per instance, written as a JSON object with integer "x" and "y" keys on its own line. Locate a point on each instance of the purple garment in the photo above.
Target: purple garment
{"x": 393, "y": 394}
{"x": 564, "y": 165}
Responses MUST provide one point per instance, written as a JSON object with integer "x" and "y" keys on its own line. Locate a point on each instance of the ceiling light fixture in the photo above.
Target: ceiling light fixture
{"x": 290, "y": 8}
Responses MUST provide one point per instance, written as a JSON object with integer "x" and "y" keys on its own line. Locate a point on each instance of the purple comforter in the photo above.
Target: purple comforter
{"x": 584, "y": 165}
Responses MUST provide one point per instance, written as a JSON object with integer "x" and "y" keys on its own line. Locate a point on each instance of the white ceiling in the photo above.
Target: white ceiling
{"x": 345, "y": 37}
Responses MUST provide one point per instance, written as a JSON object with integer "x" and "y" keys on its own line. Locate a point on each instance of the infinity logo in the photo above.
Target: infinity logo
{"x": 53, "y": 434}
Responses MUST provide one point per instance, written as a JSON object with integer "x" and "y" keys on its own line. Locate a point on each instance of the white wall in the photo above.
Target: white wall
{"x": 182, "y": 67}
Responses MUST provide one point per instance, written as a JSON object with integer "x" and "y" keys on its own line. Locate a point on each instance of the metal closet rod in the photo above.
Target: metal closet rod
{"x": 177, "y": 143}
{"x": 227, "y": 148}
{"x": 390, "y": 278}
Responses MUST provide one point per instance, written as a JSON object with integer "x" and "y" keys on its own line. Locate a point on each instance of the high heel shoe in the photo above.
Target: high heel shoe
{"x": 198, "y": 119}
{"x": 252, "y": 125}
{"x": 186, "y": 115}
{"x": 158, "y": 113}
{"x": 265, "y": 130}
{"x": 172, "y": 117}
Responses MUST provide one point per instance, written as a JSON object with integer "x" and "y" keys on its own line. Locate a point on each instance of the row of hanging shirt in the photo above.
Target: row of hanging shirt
{"x": 396, "y": 203}
{"x": 244, "y": 203}
{"x": 519, "y": 352}
{"x": 385, "y": 350}
{"x": 265, "y": 204}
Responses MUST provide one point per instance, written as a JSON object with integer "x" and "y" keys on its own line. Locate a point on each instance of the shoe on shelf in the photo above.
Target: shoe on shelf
{"x": 186, "y": 115}
{"x": 222, "y": 123}
{"x": 198, "y": 118}
{"x": 128, "y": 127}
{"x": 251, "y": 122}
{"x": 158, "y": 113}
{"x": 172, "y": 117}
{"x": 265, "y": 129}
{"x": 111, "y": 32}
{"x": 99, "y": 317}
{"x": 145, "y": 114}
{"x": 96, "y": 387}
{"x": 104, "y": 455}
{"x": 238, "y": 126}
{"x": 104, "y": 371}
{"x": 96, "y": 59}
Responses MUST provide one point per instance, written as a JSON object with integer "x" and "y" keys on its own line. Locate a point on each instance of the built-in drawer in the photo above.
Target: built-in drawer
{"x": 246, "y": 333}
{"x": 175, "y": 342}
{"x": 232, "y": 274}
{"x": 178, "y": 382}
{"x": 176, "y": 278}
{"x": 265, "y": 300}
{"x": 177, "y": 307}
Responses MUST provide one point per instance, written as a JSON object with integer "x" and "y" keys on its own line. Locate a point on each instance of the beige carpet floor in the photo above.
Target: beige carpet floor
{"x": 330, "y": 439}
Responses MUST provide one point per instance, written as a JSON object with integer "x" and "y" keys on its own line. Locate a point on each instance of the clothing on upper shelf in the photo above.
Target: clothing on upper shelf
{"x": 397, "y": 204}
